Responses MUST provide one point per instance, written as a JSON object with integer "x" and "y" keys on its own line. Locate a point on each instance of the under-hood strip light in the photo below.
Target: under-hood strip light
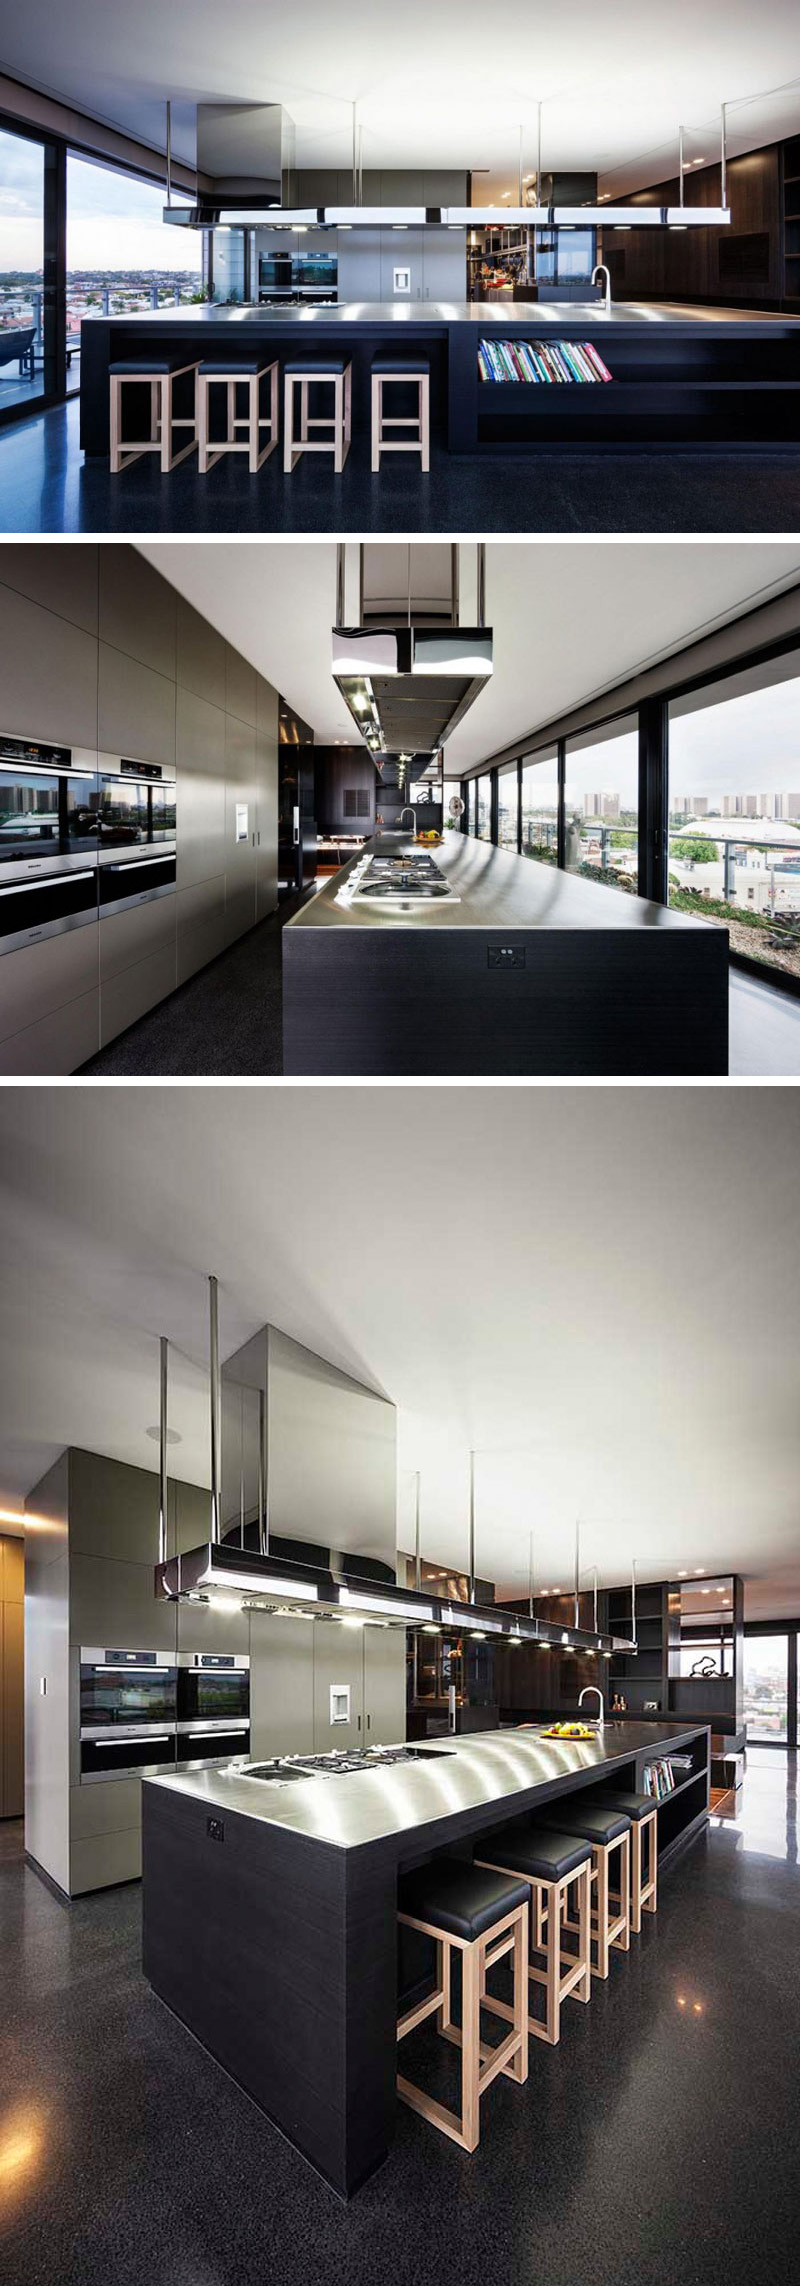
{"x": 393, "y": 1607}
{"x": 257, "y": 1583}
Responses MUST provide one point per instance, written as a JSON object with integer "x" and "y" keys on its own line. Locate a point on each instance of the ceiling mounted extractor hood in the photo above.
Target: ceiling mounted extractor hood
{"x": 407, "y": 687}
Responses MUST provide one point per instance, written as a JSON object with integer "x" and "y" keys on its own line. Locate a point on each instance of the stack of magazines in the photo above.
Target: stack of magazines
{"x": 540, "y": 361}
{"x": 659, "y": 1780}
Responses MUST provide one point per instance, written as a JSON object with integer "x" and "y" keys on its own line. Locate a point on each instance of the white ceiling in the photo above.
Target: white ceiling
{"x": 433, "y": 88}
{"x": 597, "y": 1288}
{"x": 569, "y": 618}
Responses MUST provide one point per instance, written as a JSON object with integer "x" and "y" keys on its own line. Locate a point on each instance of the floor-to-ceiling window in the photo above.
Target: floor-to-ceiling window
{"x": 601, "y": 805}
{"x": 508, "y": 806}
{"x": 483, "y": 809}
{"x": 121, "y": 255}
{"x": 22, "y": 347}
{"x": 734, "y": 811}
{"x": 539, "y": 806}
{"x": 765, "y": 1663}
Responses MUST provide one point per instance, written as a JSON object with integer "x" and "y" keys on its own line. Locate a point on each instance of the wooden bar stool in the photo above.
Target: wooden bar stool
{"x": 162, "y": 374}
{"x": 244, "y": 373}
{"x": 608, "y": 1831}
{"x": 338, "y": 371}
{"x": 642, "y": 1810}
{"x": 484, "y": 1917}
{"x": 391, "y": 369}
{"x": 552, "y": 1863}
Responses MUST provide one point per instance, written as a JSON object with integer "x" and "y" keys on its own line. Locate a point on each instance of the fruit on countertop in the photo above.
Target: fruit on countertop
{"x": 568, "y": 1730}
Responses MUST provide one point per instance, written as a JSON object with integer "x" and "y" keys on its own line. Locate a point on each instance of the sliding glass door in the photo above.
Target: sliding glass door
{"x": 601, "y": 804}
{"x": 121, "y": 255}
{"x": 734, "y": 811}
{"x": 766, "y": 1689}
{"x": 22, "y": 323}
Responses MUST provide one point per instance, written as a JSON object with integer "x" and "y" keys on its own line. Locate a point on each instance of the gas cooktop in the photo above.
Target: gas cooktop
{"x": 284, "y": 1768}
{"x": 412, "y": 877}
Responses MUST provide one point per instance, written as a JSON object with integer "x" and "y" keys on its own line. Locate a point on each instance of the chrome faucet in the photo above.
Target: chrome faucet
{"x": 408, "y": 813}
{"x": 600, "y": 271}
{"x": 598, "y": 1693}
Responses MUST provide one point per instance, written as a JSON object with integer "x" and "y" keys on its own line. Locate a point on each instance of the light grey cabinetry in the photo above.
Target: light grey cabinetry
{"x": 402, "y": 250}
{"x": 338, "y": 1668}
{"x": 58, "y": 1044}
{"x": 136, "y": 709}
{"x": 138, "y": 610}
{"x": 240, "y": 827}
{"x": 360, "y": 265}
{"x": 37, "y": 979}
{"x": 240, "y": 686}
{"x": 201, "y": 831}
{"x": 48, "y": 674}
{"x": 281, "y": 1686}
{"x": 201, "y": 656}
{"x": 445, "y": 266}
{"x": 384, "y": 1685}
{"x": 61, "y": 579}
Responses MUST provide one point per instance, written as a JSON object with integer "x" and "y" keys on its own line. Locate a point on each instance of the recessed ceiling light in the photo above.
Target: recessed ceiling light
{"x": 683, "y": 1575}
{"x": 698, "y": 1571}
{"x": 173, "y": 1437}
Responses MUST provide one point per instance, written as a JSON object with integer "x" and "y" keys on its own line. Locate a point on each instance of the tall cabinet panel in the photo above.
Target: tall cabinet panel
{"x": 384, "y": 1685}
{"x": 12, "y": 1714}
{"x": 266, "y": 800}
{"x": 240, "y": 827}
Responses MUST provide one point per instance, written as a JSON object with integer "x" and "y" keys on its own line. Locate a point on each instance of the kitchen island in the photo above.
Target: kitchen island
{"x": 270, "y": 1908}
{"x": 523, "y": 970}
{"x": 680, "y": 375}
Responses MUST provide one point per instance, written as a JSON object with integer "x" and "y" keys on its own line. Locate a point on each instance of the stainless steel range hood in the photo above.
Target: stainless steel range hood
{"x": 245, "y": 163}
{"x": 304, "y": 1502}
{"x": 267, "y": 1583}
{"x": 407, "y": 687}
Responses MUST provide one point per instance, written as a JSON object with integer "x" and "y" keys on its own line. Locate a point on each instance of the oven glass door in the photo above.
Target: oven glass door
{"x": 213, "y": 1694}
{"x": 30, "y": 824}
{"x": 81, "y": 814}
{"x": 113, "y": 1696}
{"x": 163, "y": 811}
{"x": 124, "y": 813}
{"x": 213, "y": 1743}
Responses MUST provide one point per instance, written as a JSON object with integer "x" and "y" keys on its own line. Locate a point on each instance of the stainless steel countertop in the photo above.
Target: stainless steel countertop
{"x": 467, "y": 1774}
{"x": 496, "y": 889}
{"x": 561, "y": 317}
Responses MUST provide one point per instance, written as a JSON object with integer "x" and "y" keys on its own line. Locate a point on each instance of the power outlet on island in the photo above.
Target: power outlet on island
{"x": 505, "y": 956}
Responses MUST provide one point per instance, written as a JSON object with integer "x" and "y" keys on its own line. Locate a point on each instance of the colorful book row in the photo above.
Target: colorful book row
{"x": 546, "y": 361}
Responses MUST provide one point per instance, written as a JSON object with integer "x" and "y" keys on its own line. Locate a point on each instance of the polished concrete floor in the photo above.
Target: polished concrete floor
{"x": 226, "y": 1022}
{"x": 47, "y": 486}
{"x": 660, "y": 2142}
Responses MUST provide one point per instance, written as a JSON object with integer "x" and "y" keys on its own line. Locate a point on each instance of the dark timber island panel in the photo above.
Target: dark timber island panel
{"x": 531, "y": 972}
{"x": 270, "y": 1913}
{"x": 680, "y": 375}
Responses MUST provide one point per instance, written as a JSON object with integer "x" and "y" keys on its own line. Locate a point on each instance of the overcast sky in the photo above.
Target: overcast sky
{"x": 114, "y": 223}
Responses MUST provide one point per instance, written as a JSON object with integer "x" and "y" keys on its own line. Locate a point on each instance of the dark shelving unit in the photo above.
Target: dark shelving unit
{"x": 790, "y": 222}
{"x": 642, "y": 1674}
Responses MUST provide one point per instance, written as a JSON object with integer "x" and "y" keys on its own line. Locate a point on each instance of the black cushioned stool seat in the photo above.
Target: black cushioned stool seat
{"x": 607, "y": 1830}
{"x": 554, "y": 1865}
{"x": 311, "y": 365}
{"x": 459, "y": 1898}
{"x": 599, "y": 1826}
{"x": 642, "y": 1811}
{"x": 633, "y": 1806}
{"x": 225, "y": 365}
{"x": 536, "y": 1852}
{"x": 484, "y": 1918}
{"x": 400, "y": 366}
{"x": 134, "y": 366}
